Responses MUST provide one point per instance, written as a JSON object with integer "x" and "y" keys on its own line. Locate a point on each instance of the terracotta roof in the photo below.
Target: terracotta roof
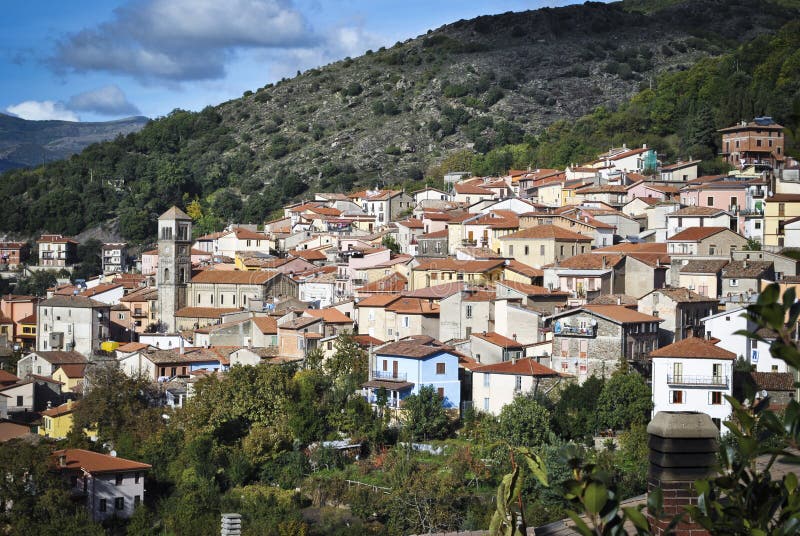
{"x": 413, "y": 306}
{"x": 63, "y": 409}
{"x": 10, "y": 430}
{"x": 309, "y": 254}
{"x": 454, "y": 265}
{"x": 696, "y": 211}
{"x": 132, "y": 347}
{"x": 693, "y": 348}
{"x": 389, "y": 385}
{"x": 497, "y": 219}
{"x": 532, "y": 290}
{"x": 752, "y": 125}
{"x": 652, "y": 259}
{"x": 604, "y": 189}
{"x": 266, "y": 324}
{"x": 366, "y": 340}
{"x": 191, "y": 355}
{"x": 233, "y": 277}
{"x": 629, "y": 247}
{"x": 498, "y": 340}
{"x": 522, "y": 268}
{"x": 246, "y": 234}
{"x": 205, "y": 312}
{"x": 708, "y": 266}
{"x": 682, "y": 295}
{"x": 299, "y": 323}
{"x": 480, "y": 296}
{"x": 60, "y": 357}
{"x": 621, "y": 314}
{"x": 418, "y": 347}
{"x": 434, "y": 235}
{"x": 552, "y": 232}
{"x": 394, "y": 282}
{"x": 773, "y": 381}
{"x": 141, "y": 294}
{"x": 94, "y": 462}
{"x": 330, "y": 315}
{"x": 411, "y": 223}
{"x": 784, "y": 198}
{"x": 746, "y": 269}
{"x": 520, "y": 367}
{"x": 73, "y": 371}
{"x": 99, "y": 289}
{"x": 589, "y": 261}
{"x": 55, "y": 239}
{"x": 378, "y": 300}
{"x": 696, "y": 234}
{"x": 7, "y": 377}
{"x": 471, "y": 189}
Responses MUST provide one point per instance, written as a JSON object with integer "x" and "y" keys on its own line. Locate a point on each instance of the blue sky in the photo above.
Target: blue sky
{"x": 83, "y": 60}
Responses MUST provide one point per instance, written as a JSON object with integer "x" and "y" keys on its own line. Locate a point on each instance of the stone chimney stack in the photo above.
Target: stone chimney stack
{"x": 683, "y": 448}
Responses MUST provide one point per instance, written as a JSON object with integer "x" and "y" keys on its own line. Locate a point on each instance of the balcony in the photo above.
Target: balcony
{"x": 683, "y": 379}
{"x": 390, "y": 402}
{"x": 389, "y": 375}
{"x": 469, "y": 243}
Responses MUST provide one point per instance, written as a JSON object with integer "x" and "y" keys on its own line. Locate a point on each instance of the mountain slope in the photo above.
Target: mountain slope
{"x": 26, "y": 143}
{"x": 385, "y": 117}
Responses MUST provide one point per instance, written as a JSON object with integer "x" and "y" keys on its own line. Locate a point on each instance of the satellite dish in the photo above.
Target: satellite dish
{"x": 764, "y": 393}
{"x": 113, "y": 453}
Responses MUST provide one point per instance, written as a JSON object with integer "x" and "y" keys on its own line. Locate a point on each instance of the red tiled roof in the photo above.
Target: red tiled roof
{"x": 522, "y": 268}
{"x": 520, "y": 367}
{"x": 266, "y": 325}
{"x": 454, "y": 265}
{"x": 693, "y": 348}
{"x": 590, "y": 261}
{"x": 418, "y": 347}
{"x": 533, "y": 290}
{"x": 233, "y": 277}
{"x": 63, "y": 409}
{"x": 413, "y": 306}
{"x": 74, "y": 370}
{"x": 471, "y": 189}
{"x": 553, "y": 232}
{"x": 696, "y": 234}
{"x": 498, "y": 340}
{"x": 94, "y": 462}
{"x": 330, "y": 315}
{"x": 391, "y": 283}
{"x": 309, "y": 254}
{"x": 205, "y": 312}
{"x": 132, "y": 347}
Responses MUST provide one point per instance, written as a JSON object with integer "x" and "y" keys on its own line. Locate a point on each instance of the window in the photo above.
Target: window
{"x": 518, "y": 383}
{"x": 405, "y": 321}
{"x": 781, "y": 209}
{"x": 486, "y": 379}
{"x": 385, "y": 365}
{"x": 119, "y": 503}
{"x": 136, "y": 500}
{"x": 136, "y": 478}
{"x": 712, "y": 249}
{"x": 119, "y": 479}
{"x": 734, "y": 282}
{"x": 541, "y": 249}
{"x": 102, "y": 507}
{"x": 715, "y": 398}
{"x": 758, "y": 143}
{"x": 469, "y": 311}
{"x": 440, "y": 392}
{"x": 440, "y": 368}
{"x": 20, "y": 400}
{"x": 527, "y": 250}
{"x": 716, "y": 371}
{"x": 486, "y": 404}
{"x": 562, "y": 251}
{"x": 676, "y": 397}
{"x": 510, "y": 251}
{"x": 221, "y": 299}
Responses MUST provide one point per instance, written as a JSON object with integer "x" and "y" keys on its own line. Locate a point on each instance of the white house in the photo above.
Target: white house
{"x": 693, "y": 374}
{"x": 109, "y": 485}
{"x": 494, "y": 386}
{"x": 72, "y": 323}
{"x": 725, "y": 324}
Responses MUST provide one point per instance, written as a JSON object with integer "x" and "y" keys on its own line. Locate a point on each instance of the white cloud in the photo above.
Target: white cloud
{"x": 108, "y": 100}
{"x": 42, "y": 110}
{"x": 182, "y": 39}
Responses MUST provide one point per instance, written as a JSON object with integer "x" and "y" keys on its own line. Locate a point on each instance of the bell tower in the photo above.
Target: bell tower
{"x": 174, "y": 264}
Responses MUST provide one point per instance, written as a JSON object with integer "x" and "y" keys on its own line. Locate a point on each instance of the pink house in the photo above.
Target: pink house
{"x": 653, "y": 190}
{"x": 728, "y": 196}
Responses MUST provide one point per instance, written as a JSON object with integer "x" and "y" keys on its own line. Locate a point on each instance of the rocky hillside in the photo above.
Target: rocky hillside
{"x": 480, "y": 83}
{"x": 26, "y": 143}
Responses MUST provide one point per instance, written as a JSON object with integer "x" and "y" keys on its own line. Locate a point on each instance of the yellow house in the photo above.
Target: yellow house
{"x": 544, "y": 244}
{"x": 57, "y": 422}
{"x": 778, "y": 209}
{"x": 71, "y": 376}
{"x": 441, "y": 271}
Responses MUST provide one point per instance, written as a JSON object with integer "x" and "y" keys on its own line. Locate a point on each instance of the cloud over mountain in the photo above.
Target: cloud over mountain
{"x": 42, "y": 110}
{"x": 107, "y": 100}
{"x": 181, "y": 40}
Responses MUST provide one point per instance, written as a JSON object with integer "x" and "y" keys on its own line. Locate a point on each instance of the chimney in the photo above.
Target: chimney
{"x": 744, "y": 263}
{"x": 180, "y": 345}
{"x": 604, "y": 261}
{"x": 62, "y": 460}
{"x": 49, "y": 404}
{"x": 683, "y": 448}
{"x": 619, "y": 300}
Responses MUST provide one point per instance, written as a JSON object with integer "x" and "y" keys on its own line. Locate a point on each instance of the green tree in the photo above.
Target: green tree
{"x": 571, "y": 420}
{"x": 388, "y": 241}
{"x": 426, "y": 417}
{"x": 37, "y": 283}
{"x": 624, "y": 400}
{"x": 524, "y": 422}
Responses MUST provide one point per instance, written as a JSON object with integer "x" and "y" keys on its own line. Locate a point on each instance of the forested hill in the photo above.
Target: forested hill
{"x": 474, "y": 93}
{"x": 26, "y": 143}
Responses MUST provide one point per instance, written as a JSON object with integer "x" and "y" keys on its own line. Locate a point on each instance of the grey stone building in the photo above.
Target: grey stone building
{"x": 594, "y": 338}
{"x": 682, "y": 311}
{"x": 174, "y": 264}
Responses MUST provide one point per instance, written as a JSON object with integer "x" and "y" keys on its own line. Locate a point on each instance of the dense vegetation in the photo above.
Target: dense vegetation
{"x": 470, "y": 95}
{"x": 249, "y": 441}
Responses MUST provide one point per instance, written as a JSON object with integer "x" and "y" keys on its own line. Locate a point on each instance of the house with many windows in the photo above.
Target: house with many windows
{"x": 109, "y": 486}
{"x": 399, "y": 369}
{"x": 693, "y": 374}
{"x": 494, "y": 386}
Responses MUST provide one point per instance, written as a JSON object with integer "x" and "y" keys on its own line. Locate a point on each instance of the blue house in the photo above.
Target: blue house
{"x": 404, "y": 366}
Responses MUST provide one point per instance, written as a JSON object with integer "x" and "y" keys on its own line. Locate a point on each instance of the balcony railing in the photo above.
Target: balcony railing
{"x": 389, "y": 375}
{"x": 683, "y": 379}
{"x": 390, "y": 403}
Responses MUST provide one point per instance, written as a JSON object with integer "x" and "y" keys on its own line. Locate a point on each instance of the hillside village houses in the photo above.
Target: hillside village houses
{"x": 484, "y": 288}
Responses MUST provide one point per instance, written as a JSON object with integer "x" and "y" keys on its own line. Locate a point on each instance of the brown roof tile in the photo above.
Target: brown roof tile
{"x": 696, "y": 234}
{"x": 590, "y": 261}
{"x": 418, "y": 347}
{"x": 707, "y": 266}
{"x": 233, "y": 277}
{"x": 621, "y": 314}
{"x": 454, "y": 265}
{"x": 552, "y": 232}
{"x": 205, "y": 312}
{"x": 746, "y": 269}
{"x": 693, "y": 347}
{"x": 498, "y": 340}
{"x": 520, "y": 367}
{"x": 94, "y": 462}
